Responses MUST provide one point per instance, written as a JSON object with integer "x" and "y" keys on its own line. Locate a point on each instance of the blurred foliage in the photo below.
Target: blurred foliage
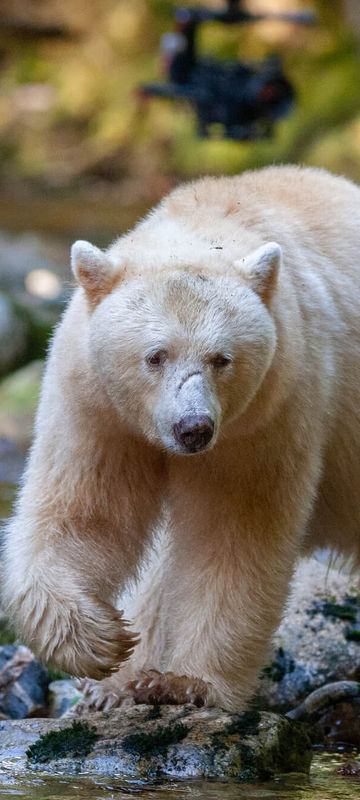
{"x": 69, "y": 115}
{"x": 19, "y": 395}
{"x": 7, "y": 632}
{"x": 20, "y": 391}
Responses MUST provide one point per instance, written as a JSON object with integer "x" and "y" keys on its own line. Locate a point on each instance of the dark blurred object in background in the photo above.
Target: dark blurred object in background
{"x": 246, "y": 99}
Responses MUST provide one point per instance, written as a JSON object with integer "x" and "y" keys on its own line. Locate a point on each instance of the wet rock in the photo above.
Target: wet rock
{"x": 64, "y": 694}
{"x": 23, "y": 683}
{"x": 143, "y": 742}
{"x": 318, "y": 641}
{"x": 350, "y": 768}
{"x": 13, "y": 336}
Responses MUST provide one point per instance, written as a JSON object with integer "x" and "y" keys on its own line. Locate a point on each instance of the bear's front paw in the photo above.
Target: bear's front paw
{"x": 96, "y": 641}
{"x": 79, "y": 634}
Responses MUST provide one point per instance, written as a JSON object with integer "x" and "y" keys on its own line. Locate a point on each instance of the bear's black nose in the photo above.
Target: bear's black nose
{"x": 194, "y": 432}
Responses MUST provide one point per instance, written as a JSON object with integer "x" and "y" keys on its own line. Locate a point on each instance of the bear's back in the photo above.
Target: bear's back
{"x": 308, "y": 192}
{"x": 313, "y": 215}
{"x": 272, "y": 202}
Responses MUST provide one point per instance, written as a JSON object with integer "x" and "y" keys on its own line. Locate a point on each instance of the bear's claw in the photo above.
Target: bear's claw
{"x": 167, "y": 688}
{"x": 149, "y": 687}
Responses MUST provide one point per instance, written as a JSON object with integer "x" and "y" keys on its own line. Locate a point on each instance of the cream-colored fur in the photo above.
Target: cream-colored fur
{"x": 236, "y": 304}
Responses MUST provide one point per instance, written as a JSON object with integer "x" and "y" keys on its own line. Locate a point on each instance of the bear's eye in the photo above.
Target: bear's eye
{"x": 220, "y": 361}
{"x": 157, "y": 359}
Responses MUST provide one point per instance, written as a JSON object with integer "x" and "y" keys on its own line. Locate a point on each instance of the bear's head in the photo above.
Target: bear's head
{"x": 180, "y": 353}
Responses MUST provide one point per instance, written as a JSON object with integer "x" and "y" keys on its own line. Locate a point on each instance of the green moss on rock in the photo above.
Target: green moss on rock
{"x": 248, "y": 764}
{"x": 242, "y": 725}
{"x": 262, "y": 752}
{"x": 76, "y": 741}
{"x": 155, "y": 742}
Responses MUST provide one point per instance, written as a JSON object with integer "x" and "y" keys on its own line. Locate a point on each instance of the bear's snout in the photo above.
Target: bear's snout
{"x": 194, "y": 432}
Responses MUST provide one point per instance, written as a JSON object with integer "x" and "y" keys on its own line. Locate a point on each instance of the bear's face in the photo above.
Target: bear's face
{"x": 181, "y": 356}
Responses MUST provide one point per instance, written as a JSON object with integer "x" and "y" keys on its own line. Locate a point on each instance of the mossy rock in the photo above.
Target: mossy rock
{"x": 177, "y": 742}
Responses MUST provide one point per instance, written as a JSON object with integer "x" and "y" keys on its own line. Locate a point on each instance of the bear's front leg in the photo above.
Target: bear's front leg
{"x": 224, "y": 618}
{"x": 236, "y": 536}
{"x": 89, "y": 501}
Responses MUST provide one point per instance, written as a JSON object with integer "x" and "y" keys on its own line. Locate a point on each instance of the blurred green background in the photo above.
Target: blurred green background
{"x": 81, "y": 157}
{"x": 72, "y": 127}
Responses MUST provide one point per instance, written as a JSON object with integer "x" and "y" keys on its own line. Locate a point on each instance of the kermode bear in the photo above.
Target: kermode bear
{"x": 204, "y": 380}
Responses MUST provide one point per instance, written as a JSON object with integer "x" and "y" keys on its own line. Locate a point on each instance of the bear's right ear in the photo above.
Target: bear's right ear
{"x": 93, "y": 270}
{"x": 260, "y": 269}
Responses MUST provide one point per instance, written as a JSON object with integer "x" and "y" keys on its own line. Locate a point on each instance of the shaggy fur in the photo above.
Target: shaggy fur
{"x": 233, "y": 310}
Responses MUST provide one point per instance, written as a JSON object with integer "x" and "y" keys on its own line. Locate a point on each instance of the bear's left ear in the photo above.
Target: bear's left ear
{"x": 93, "y": 270}
{"x": 260, "y": 269}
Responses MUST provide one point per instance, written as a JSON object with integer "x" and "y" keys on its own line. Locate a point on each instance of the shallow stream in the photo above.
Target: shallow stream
{"x": 322, "y": 784}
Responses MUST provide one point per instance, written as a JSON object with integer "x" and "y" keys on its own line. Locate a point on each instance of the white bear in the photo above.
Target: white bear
{"x": 206, "y": 372}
